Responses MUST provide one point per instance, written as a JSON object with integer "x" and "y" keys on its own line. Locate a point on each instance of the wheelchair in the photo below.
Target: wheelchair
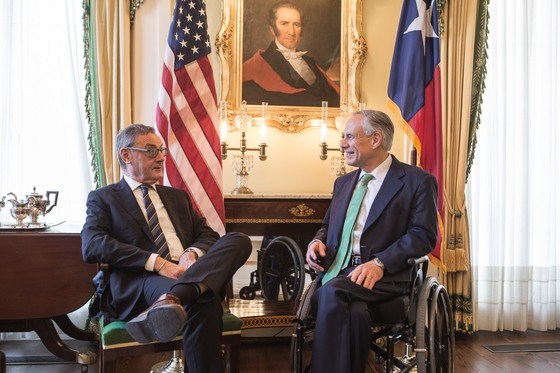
{"x": 422, "y": 321}
{"x": 280, "y": 271}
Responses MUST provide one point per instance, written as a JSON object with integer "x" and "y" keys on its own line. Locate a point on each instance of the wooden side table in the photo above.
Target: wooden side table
{"x": 43, "y": 278}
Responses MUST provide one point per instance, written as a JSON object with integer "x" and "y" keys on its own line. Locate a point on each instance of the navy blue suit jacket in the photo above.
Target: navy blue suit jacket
{"x": 116, "y": 233}
{"x": 402, "y": 222}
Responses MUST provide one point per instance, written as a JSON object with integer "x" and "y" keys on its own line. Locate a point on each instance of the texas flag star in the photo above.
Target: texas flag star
{"x": 423, "y": 22}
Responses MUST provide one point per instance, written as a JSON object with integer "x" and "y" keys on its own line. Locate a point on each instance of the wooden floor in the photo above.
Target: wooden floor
{"x": 273, "y": 357}
{"x": 471, "y": 356}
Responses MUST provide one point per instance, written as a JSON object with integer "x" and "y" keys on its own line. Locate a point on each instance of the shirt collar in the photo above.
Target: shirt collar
{"x": 133, "y": 184}
{"x": 380, "y": 171}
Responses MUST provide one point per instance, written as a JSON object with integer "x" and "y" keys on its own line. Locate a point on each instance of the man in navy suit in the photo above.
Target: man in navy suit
{"x": 283, "y": 75}
{"x": 397, "y": 220}
{"x": 167, "y": 275}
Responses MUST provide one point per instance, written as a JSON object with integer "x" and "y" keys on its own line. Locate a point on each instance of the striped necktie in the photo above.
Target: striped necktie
{"x": 345, "y": 247}
{"x": 153, "y": 223}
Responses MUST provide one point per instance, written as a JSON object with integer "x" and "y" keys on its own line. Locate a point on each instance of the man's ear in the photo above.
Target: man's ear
{"x": 376, "y": 139}
{"x": 272, "y": 31}
{"x": 125, "y": 155}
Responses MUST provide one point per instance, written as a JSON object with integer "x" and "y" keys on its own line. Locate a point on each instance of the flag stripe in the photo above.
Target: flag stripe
{"x": 186, "y": 114}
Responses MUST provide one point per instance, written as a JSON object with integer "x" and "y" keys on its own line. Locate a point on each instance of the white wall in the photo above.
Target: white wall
{"x": 293, "y": 165}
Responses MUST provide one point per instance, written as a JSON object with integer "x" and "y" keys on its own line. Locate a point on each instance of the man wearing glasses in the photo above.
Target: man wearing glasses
{"x": 168, "y": 269}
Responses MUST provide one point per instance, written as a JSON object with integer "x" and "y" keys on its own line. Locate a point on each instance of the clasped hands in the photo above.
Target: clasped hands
{"x": 169, "y": 269}
{"x": 366, "y": 274}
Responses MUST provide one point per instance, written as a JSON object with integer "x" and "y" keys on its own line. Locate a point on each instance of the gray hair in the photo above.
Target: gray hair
{"x": 127, "y": 137}
{"x": 375, "y": 120}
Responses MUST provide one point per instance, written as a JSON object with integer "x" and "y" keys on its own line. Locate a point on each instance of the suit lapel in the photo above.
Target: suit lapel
{"x": 391, "y": 185}
{"x": 128, "y": 202}
{"x": 341, "y": 204}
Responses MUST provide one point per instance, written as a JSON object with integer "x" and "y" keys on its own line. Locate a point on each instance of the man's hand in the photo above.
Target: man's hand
{"x": 168, "y": 269}
{"x": 315, "y": 251}
{"x": 187, "y": 259}
{"x": 366, "y": 274}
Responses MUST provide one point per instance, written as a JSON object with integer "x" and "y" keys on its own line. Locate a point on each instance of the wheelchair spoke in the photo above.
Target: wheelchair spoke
{"x": 282, "y": 270}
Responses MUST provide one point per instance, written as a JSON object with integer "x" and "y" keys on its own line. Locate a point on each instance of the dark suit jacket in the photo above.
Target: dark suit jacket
{"x": 116, "y": 232}
{"x": 255, "y": 92}
{"x": 402, "y": 222}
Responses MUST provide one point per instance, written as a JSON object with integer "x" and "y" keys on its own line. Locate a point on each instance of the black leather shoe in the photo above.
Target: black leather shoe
{"x": 162, "y": 321}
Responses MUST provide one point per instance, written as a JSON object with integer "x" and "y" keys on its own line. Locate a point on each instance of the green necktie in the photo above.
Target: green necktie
{"x": 345, "y": 248}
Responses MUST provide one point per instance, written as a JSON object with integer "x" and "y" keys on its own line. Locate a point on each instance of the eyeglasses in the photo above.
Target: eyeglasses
{"x": 150, "y": 150}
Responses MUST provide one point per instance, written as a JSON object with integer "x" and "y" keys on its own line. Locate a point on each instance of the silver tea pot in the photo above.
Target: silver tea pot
{"x": 38, "y": 205}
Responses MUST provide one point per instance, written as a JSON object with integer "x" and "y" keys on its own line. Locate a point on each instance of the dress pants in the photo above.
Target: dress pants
{"x": 203, "y": 331}
{"x": 343, "y": 323}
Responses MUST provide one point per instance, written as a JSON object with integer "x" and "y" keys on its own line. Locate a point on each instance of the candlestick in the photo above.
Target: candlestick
{"x": 242, "y": 163}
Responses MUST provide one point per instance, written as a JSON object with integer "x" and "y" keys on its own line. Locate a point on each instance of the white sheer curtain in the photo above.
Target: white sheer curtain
{"x": 42, "y": 119}
{"x": 514, "y": 188}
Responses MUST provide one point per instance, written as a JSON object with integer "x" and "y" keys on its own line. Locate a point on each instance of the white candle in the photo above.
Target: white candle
{"x": 223, "y": 131}
{"x": 324, "y": 120}
{"x": 264, "y": 116}
{"x": 323, "y": 132}
{"x": 263, "y": 131}
{"x": 222, "y": 117}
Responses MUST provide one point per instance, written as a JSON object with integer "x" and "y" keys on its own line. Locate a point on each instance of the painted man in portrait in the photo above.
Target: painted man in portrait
{"x": 282, "y": 74}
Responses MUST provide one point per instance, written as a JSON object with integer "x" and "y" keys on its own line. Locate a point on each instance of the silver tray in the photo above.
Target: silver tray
{"x": 27, "y": 227}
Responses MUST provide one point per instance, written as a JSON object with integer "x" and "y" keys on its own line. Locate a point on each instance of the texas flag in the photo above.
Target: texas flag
{"x": 415, "y": 91}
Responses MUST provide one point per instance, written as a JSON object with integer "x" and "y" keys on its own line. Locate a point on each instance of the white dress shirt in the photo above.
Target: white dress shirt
{"x": 298, "y": 63}
{"x": 175, "y": 247}
{"x": 373, "y": 188}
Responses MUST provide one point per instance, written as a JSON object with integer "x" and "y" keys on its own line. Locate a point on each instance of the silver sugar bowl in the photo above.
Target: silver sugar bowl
{"x": 19, "y": 210}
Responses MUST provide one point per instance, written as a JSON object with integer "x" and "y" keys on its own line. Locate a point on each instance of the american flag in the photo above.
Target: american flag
{"x": 186, "y": 114}
{"x": 415, "y": 91}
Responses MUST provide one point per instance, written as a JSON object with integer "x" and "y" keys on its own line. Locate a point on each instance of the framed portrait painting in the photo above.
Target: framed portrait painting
{"x": 294, "y": 55}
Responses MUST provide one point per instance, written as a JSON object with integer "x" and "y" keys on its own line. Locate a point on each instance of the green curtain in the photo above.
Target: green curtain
{"x": 480, "y": 57}
{"x": 92, "y": 101}
{"x": 107, "y": 29}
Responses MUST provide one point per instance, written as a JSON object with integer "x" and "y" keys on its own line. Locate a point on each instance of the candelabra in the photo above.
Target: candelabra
{"x": 338, "y": 163}
{"x": 242, "y": 163}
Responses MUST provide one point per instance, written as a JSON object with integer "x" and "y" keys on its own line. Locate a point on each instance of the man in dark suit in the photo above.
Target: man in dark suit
{"x": 396, "y": 220}
{"x": 168, "y": 268}
{"x": 282, "y": 75}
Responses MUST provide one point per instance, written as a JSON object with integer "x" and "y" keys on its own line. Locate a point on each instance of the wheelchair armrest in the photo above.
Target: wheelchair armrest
{"x": 420, "y": 270}
{"x": 416, "y": 261}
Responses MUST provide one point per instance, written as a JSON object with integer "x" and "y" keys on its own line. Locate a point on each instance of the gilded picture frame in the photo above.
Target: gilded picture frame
{"x": 235, "y": 44}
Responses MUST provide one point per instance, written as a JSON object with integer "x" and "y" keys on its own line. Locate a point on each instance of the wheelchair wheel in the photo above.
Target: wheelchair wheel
{"x": 302, "y": 334}
{"x": 282, "y": 269}
{"x": 247, "y": 292}
{"x": 434, "y": 324}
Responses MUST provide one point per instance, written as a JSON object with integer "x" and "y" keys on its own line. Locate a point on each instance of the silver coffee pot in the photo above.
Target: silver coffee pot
{"x": 38, "y": 205}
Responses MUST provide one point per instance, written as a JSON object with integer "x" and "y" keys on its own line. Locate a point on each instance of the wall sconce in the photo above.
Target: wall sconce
{"x": 242, "y": 163}
{"x": 338, "y": 163}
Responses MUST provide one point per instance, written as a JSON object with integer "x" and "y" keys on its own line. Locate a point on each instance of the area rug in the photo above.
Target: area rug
{"x": 523, "y": 347}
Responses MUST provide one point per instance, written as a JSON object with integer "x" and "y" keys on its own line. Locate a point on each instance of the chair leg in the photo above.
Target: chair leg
{"x": 233, "y": 358}
{"x": 2, "y": 362}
